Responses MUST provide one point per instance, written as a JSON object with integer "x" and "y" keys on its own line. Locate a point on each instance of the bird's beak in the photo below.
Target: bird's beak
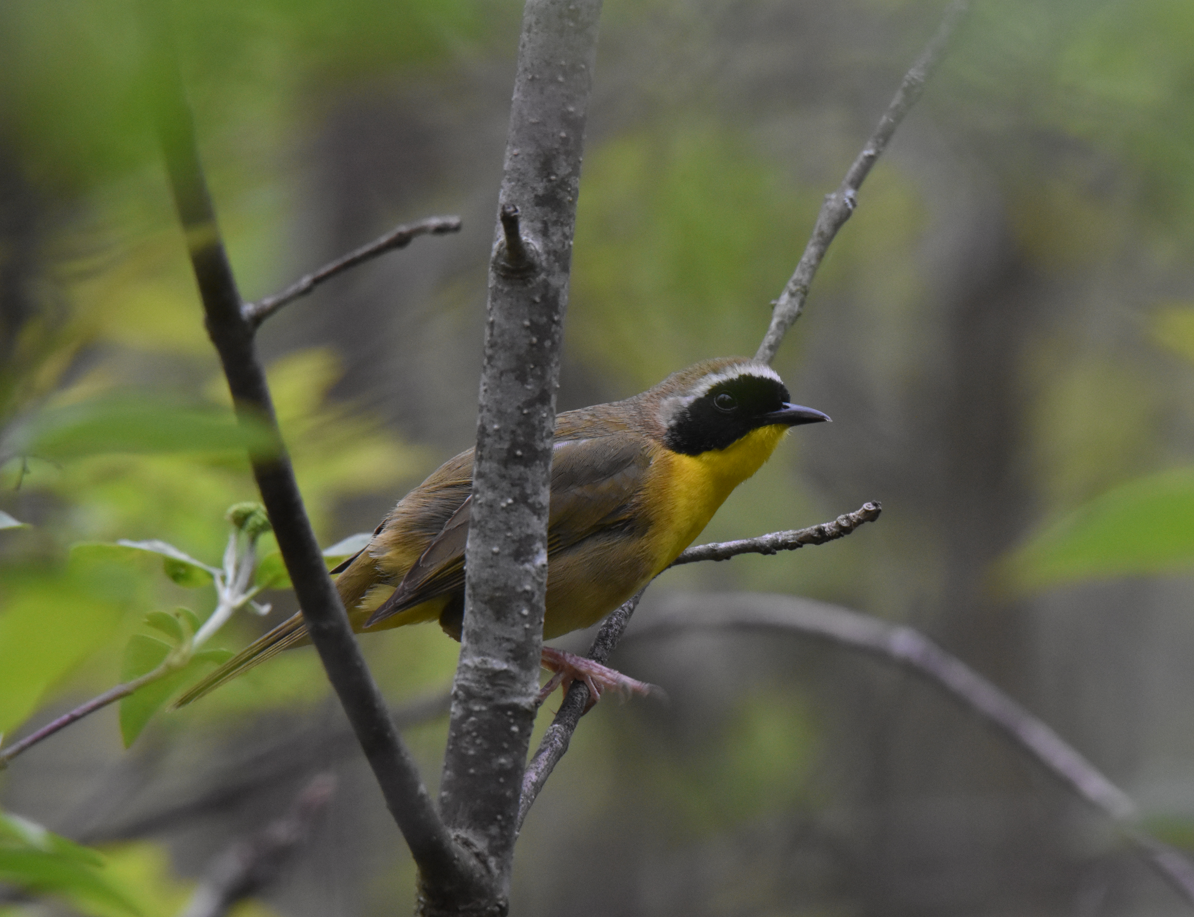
{"x": 794, "y": 415}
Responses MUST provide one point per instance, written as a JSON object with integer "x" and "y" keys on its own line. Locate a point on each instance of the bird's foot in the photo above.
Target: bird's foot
{"x": 568, "y": 667}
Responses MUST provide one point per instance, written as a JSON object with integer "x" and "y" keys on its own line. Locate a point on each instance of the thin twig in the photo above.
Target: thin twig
{"x": 119, "y": 692}
{"x": 841, "y": 203}
{"x": 440, "y": 859}
{"x": 920, "y": 655}
{"x": 399, "y": 237}
{"x": 784, "y": 541}
{"x": 559, "y": 734}
{"x": 555, "y": 741}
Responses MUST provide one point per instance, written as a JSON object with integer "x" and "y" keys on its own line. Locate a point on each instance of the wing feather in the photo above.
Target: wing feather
{"x": 595, "y": 487}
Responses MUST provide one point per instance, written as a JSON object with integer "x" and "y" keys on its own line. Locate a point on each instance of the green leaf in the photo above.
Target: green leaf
{"x": 179, "y": 566}
{"x": 8, "y": 522}
{"x": 271, "y": 572}
{"x": 1172, "y": 327}
{"x": 189, "y": 620}
{"x": 135, "y": 425}
{"x": 39, "y": 862}
{"x": 167, "y": 624}
{"x": 144, "y": 654}
{"x": 53, "y": 618}
{"x": 1143, "y": 527}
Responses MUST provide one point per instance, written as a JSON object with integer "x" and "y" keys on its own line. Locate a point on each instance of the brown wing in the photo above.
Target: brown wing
{"x": 594, "y": 486}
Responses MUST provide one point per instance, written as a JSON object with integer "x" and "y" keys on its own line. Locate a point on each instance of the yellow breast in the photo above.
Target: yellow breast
{"x": 691, "y": 488}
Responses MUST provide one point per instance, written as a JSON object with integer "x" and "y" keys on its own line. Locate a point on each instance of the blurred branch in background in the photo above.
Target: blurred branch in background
{"x": 441, "y": 861}
{"x": 240, "y": 778}
{"x": 251, "y": 865}
{"x": 909, "y": 648}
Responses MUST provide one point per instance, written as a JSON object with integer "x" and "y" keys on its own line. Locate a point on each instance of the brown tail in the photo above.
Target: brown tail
{"x": 290, "y": 632}
{"x": 357, "y": 578}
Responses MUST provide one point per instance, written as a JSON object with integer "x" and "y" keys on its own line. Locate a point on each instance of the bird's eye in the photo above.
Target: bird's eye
{"x": 725, "y": 402}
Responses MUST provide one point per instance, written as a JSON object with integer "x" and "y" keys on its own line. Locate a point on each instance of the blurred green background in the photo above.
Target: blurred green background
{"x": 1003, "y": 334}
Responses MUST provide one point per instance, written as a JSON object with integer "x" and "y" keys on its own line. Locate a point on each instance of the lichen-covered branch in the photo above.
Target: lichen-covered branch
{"x": 494, "y": 694}
{"x": 558, "y": 736}
{"x": 555, "y": 741}
{"x": 790, "y": 540}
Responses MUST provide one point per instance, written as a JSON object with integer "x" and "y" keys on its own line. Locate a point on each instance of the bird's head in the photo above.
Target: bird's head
{"x": 714, "y": 404}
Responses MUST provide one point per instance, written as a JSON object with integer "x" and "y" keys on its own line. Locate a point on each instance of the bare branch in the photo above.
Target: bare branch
{"x": 438, "y": 856}
{"x": 909, "y": 648}
{"x": 85, "y": 709}
{"x": 249, "y": 866}
{"x": 497, "y": 679}
{"x": 840, "y": 204}
{"x": 784, "y": 541}
{"x": 399, "y": 237}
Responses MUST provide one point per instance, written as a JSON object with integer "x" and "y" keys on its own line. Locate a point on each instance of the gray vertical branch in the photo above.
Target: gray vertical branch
{"x": 493, "y": 702}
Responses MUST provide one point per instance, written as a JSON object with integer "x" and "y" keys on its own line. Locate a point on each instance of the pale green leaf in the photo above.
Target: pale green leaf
{"x": 348, "y": 547}
{"x": 8, "y": 522}
{"x": 1143, "y": 527}
{"x": 179, "y": 566}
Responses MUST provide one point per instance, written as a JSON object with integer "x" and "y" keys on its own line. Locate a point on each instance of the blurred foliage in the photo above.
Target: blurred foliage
{"x": 1141, "y": 527}
{"x": 682, "y": 233}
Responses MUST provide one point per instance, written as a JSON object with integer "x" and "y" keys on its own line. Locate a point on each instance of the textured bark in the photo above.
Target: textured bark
{"x": 493, "y": 699}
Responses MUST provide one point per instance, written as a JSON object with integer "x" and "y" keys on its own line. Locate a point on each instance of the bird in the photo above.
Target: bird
{"x": 633, "y": 483}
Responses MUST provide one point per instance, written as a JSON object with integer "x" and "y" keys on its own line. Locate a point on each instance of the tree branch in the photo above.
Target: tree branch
{"x": 784, "y": 541}
{"x": 840, "y": 204}
{"x": 399, "y": 237}
{"x": 432, "y": 847}
{"x": 556, "y": 739}
{"x": 241, "y": 778}
{"x": 909, "y": 648}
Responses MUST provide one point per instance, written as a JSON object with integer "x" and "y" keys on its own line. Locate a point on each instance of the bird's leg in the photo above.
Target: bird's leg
{"x": 568, "y": 667}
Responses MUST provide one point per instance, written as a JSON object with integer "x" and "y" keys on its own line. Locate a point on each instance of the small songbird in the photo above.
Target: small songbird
{"x": 632, "y": 484}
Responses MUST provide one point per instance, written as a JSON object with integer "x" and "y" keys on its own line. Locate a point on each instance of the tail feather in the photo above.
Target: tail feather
{"x": 290, "y": 632}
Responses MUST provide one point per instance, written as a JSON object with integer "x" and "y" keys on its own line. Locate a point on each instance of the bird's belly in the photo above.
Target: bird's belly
{"x": 588, "y": 581}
